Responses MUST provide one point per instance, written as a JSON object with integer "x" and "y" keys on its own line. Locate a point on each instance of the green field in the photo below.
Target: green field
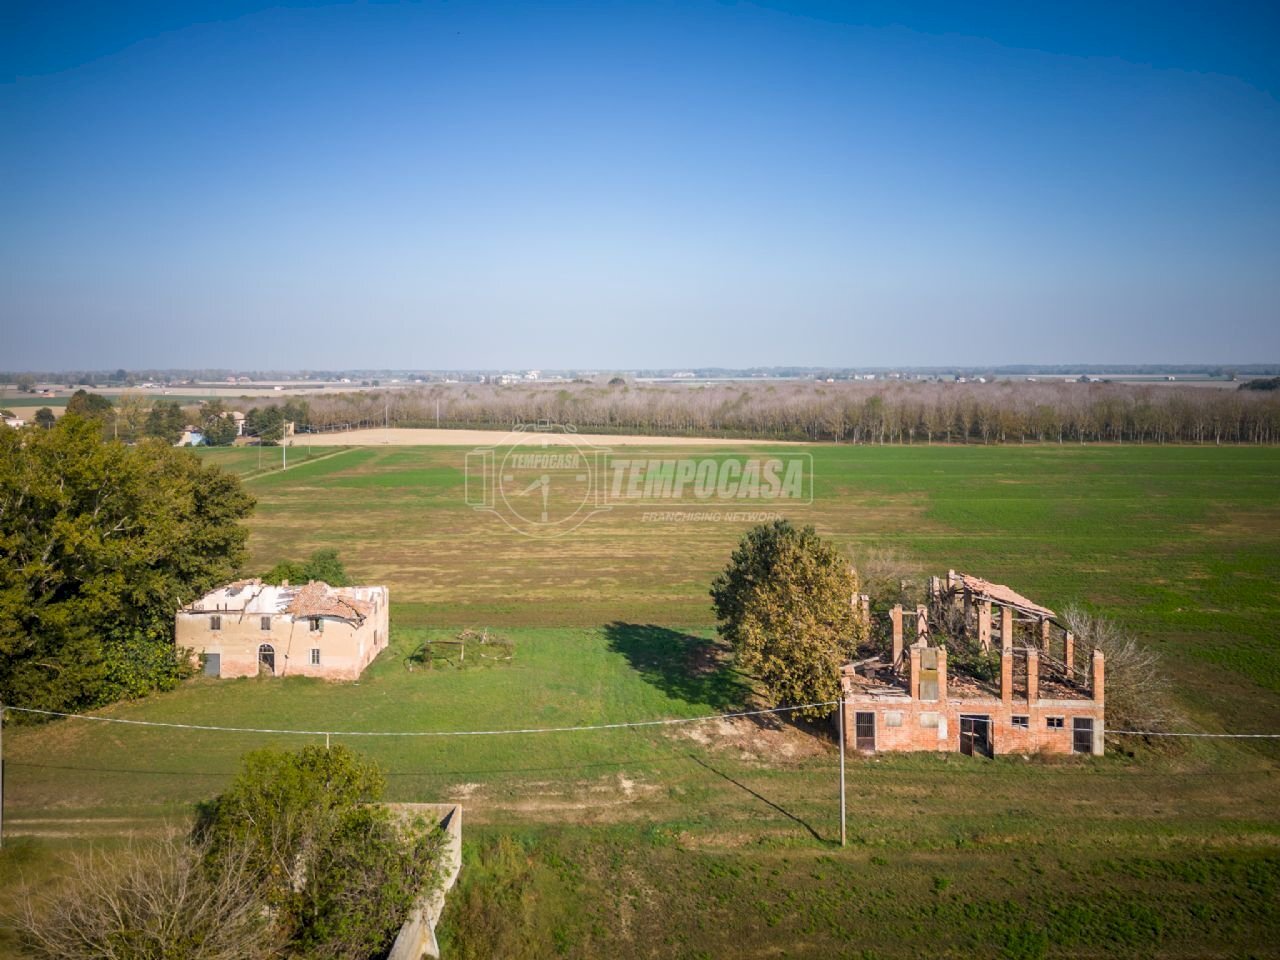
{"x": 716, "y": 839}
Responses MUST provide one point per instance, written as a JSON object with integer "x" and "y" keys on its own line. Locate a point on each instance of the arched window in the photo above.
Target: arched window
{"x": 267, "y": 658}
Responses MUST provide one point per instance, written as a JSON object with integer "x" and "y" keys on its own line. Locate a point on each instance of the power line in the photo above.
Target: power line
{"x": 1216, "y": 736}
{"x": 425, "y": 733}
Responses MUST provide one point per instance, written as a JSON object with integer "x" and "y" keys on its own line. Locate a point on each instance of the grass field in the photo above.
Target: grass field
{"x": 716, "y": 839}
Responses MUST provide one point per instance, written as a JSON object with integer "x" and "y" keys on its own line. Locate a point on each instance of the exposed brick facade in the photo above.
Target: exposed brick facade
{"x": 908, "y": 700}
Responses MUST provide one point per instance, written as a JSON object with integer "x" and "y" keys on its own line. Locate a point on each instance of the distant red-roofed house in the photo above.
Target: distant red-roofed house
{"x": 250, "y": 628}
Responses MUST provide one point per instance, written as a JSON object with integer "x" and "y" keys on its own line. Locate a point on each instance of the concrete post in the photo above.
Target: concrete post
{"x": 913, "y": 678}
{"x": 1006, "y": 628}
{"x": 984, "y": 624}
{"x": 942, "y": 675}
{"x": 1096, "y": 690}
{"x": 895, "y": 618}
{"x": 1006, "y": 675}
{"x": 864, "y": 604}
{"x": 1069, "y": 655}
{"x": 922, "y": 622}
{"x": 1033, "y": 676}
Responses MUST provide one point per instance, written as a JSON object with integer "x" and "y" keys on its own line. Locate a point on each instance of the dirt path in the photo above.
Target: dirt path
{"x": 406, "y": 436}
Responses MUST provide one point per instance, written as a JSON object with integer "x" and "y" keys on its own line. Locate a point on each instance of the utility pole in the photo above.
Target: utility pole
{"x": 843, "y": 834}
{"x": 437, "y": 413}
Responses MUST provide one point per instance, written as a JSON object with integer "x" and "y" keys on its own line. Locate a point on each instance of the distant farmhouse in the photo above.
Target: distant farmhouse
{"x": 250, "y": 628}
{"x": 1034, "y": 693}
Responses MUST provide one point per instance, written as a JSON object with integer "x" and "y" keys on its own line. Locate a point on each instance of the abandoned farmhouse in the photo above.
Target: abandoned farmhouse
{"x": 954, "y": 689}
{"x": 250, "y": 628}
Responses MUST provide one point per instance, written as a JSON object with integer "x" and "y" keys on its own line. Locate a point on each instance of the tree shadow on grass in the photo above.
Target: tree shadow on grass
{"x": 689, "y": 668}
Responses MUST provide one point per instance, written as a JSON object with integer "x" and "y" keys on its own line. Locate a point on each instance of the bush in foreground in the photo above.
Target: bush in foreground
{"x": 293, "y": 860}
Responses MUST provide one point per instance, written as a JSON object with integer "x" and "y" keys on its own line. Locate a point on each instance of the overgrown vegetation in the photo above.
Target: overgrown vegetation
{"x": 294, "y": 860}
{"x": 1137, "y": 690}
{"x": 784, "y": 603}
{"x": 102, "y": 543}
{"x": 323, "y": 564}
{"x": 171, "y": 899}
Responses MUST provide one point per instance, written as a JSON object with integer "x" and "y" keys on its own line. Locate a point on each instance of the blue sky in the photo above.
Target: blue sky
{"x": 617, "y": 185}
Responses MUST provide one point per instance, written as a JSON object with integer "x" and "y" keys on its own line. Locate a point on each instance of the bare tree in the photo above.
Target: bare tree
{"x": 162, "y": 900}
{"x": 1137, "y": 691}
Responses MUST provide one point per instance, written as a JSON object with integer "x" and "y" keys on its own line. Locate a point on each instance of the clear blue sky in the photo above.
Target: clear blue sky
{"x": 623, "y": 185}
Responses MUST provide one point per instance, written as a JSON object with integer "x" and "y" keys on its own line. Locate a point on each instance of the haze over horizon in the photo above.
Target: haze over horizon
{"x": 617, "y": 186}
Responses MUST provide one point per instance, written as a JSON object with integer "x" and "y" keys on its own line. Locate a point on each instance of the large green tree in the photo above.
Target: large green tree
{"x": 785, "y": 604}
{"x": 101, "y": 544}
{"x": 166, "y": 421}
{"x": 82, "y": 403}
{"x": 338, "y": 871}
{"x": 216, "y": 424}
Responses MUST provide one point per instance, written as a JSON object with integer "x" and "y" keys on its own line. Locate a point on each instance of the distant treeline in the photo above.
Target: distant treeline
{"x": 906, "y": 412}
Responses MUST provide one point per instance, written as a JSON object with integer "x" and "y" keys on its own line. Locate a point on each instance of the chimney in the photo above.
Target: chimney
{"x": 1006, "y": 628}
{"x": 1033, "y": 676}
{"x": 1045, "y": 624}
{"x": 1069, "y": 655}
{"x": 942, "y": 675}
{"x": 1096, "y": 687}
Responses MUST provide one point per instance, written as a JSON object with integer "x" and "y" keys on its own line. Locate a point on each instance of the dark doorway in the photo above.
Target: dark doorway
{"x": 213, "y": 664}
{"x": 975, "y": 735}
{"x": 1082, "y": 735}
{"x": 267, "y": 658}
{"x": 864, "y": 731}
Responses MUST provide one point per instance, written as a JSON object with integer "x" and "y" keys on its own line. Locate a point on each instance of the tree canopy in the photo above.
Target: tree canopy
{"x": 785, "y": 605}
{"x": 340, "y": 873}
{"x": 166, "y": 421}
{"x": 82, "y": 403}
{"x": 102, "y": 543}
{"x": 324, "y": 564}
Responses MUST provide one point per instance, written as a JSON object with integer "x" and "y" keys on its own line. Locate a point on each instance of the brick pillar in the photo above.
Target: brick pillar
{"x": 895, "y": 618}
{"x": 1097, "y": 685}
{"x": 922, "y": 622}
{"x": 1045, "y": 624}
{"x": 942, "y": 675}
{"x": 913, "y": 678}
{"x": 984, "y": 624}
{"x": 1033, "y": 676}
{"x": 1069, "y": 655}
{"x": 1006, "y": 628}
{"x": 1006, "y": 675}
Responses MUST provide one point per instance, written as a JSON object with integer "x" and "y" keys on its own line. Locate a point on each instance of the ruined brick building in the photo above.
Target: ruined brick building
{"x": 953, "y": 689}
{"x": 249, "y": 628}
